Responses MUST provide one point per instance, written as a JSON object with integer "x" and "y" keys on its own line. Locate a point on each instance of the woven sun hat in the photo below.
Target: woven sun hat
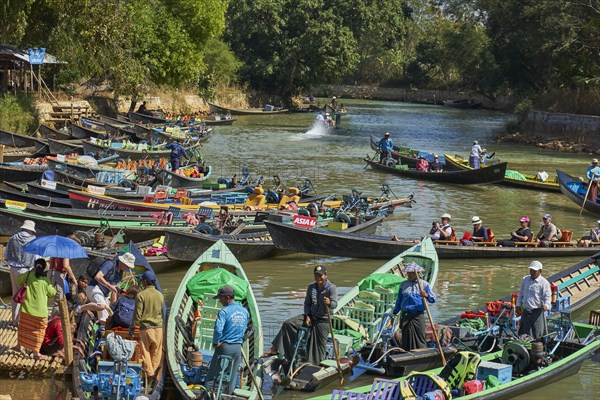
{"x": 413, "y": 267}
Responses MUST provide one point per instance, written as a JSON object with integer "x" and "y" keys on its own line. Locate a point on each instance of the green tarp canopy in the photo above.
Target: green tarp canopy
{"x": 516, "y": 175}
{"x": 210, "y": 281}
{"x": 388, "y": 281}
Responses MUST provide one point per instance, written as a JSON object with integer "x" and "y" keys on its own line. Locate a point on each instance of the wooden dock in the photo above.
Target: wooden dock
{"x": 20, "y": 364}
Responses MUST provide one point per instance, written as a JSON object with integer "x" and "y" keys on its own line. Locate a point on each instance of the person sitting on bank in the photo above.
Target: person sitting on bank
{"x": 422, "y": 164}
{"x": 479, "y": 234}
{"x": 436, "y": 165}
{"x": 142, "y": 108}
{"x": 385, "y": 147}
{"x": 410, "y": 302}
{"x": 321, "y": 297}
{"x": 548, "y": 232}
{"x": 123, "y": 309}
{"x": 594, "y": 237}
{"x": 523, "y": 234}
{"x": 228, "y": 335}
{"x": 443, "y": 231}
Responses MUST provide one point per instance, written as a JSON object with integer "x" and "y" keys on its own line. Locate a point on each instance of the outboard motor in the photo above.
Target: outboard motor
{"x": 538, "y": 356}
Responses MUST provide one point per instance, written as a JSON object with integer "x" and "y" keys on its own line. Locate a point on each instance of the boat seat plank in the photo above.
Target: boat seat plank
{"x": 526, "y": 244}
{"x": 448, "y": 242}
{"x": 486, "y": 244}
{"x": 577, "y": 278}
{"x": 564, "y": 244}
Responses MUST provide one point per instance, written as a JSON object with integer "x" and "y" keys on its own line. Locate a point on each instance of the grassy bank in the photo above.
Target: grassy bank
{"x": 18, "y": 114}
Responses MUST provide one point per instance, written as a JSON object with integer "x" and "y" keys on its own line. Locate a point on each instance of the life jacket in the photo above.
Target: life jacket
{"x": 461, "y": 368}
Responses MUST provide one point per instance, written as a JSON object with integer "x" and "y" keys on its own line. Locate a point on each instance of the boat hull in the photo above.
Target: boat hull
{"x": 575, "y": 190}
{"x": 491, "y": 174}
{"x": 248, "y": 111}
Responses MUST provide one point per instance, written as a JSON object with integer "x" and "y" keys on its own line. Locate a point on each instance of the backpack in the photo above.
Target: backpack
{"x": 94, "y": 267}
{"x": 123, "y": 314}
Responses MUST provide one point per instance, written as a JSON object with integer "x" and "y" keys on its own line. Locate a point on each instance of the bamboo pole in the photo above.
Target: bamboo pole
{"x": 66, "y": 327}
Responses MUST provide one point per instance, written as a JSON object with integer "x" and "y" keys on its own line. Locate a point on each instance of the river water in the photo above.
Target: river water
{"x": 285, "y": 145}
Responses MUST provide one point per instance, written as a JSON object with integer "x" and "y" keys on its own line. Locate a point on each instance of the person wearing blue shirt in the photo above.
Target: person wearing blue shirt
{"x": 230, "y": 328}
{"x": 321, "y": 298}
{"x": 592, "y": 174}
{"x": 105, "y": 282}
{"x": 410, "y": 302}
{"x": 177, "y": 151}
{"x": 385, "y": 147}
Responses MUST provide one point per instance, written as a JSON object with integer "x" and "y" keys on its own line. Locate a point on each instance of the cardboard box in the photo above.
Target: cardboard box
{"x": 337, "y": 226}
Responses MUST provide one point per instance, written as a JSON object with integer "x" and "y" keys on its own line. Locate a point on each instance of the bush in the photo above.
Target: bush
{"x": 18, "y": 114}
{"x": 511, "y": 125}
{"x": 522, "y": 108}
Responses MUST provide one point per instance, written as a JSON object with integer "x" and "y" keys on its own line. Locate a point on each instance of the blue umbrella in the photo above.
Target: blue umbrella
{"x": 55, "y": 246}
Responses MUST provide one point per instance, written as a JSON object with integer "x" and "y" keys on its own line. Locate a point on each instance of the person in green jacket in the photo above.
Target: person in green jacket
{"x": 34, "y": 309}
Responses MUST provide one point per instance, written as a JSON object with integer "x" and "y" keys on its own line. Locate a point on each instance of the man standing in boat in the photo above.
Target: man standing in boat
{"x": 592, "y": 174}
{"x": 385, "y": 147}
{"x": 475, "y": 157}
{"x": 177, "y": 151}
{"x": 321, "y": 297}
{"x": 228, "y": 335}
{"x": 411, "y": 302}
{"x": 148, "y": 315}
{"x": 534, "y": 300}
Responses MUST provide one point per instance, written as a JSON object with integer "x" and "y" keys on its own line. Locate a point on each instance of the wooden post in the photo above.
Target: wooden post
{"x": 66, "y": 327}
{"x": 1, "y": 153}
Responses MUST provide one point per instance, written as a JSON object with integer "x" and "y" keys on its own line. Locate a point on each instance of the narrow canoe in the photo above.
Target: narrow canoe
{"x": 11, "y": 194}
{"x": 146, "y": 119}
{"x": 345, "y": 244}
{"x": 166, "y": 177}
{"x": 186, "y": 246}
{"x": 220, "y": 121}
{"x": 79, "y": 131}
{"x": 184, "y": 331}
{"x": 389, "y": 276}
{"x": 51, "y": 133}
{"x": 511, "y": 178}
{"x": 136, "y": 231}
{"x": 134, "y": 155}
{"x": 492, "y": 174}
{"x": 19, "y": 172}
{"x": 245, "y": 111}
{"x": 16, "y": 140}
{"x": 84, "y": 378}
{"x": 575, "y": 190}
{"x": 464, "y": 103}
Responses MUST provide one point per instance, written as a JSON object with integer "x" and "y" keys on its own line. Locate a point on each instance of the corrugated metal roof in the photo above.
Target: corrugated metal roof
{"x": 7, "y": 50}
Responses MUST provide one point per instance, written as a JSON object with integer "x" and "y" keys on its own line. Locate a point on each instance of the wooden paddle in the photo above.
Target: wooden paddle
{"x": 586, "y": 193}
{"x": 252, "y": 377}
{"x": 435, "y": 335}
{"x": 335, "y": 348}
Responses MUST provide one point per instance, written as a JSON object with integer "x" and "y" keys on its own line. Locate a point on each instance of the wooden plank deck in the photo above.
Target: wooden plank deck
{"x": 17, "y": 364}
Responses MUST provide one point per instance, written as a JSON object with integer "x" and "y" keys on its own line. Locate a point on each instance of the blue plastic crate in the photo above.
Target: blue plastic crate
{"x": 501, "y": 371}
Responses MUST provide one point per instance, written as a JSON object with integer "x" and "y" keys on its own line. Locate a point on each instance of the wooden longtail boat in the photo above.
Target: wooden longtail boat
{"x": 51, "y": 133}
{"x": 366, "y": 312}
{"x": 406, "y": 155}
{"x": 191, "y": 134}
{"x": 14, "y": 154}
{"x": 146, "y": 118}
{"x": 464, "y": 103}
{"x": 511, "y": 178}
{"x": 132, "y": 154}
{"x": 568, "y": 354}
{"x": 166, "y": 177}
{"x": 86, "y": 170}
{"x": 575, "y": 190}
{"x": 344, "y": 244}
{"x": 11, "y": 194}
{"x": 185, "y": 331}
{"x": 105, "y": 374}
{"x": 76, "y": 179}
{"x": 137, "y": 231}
{"x": 219, "y": 120}
{"x": 186, "y": 246}
{"x": 492, "y": 174}
{"x": 17, "y": 140}
{"x": 246, "y": 111}
{"x": 79, "y": 131}
{"x": 65, "y": 146}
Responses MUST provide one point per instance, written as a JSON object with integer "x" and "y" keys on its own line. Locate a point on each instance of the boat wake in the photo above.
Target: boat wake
{"x": 315, "y": 131}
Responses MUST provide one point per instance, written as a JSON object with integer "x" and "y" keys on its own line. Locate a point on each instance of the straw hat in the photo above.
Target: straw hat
{"x": 476, "y": 220}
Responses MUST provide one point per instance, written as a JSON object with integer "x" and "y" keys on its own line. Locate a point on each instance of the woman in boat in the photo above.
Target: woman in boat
{"x": 594, "y": 237}
{"x": 479, "y": 234}
{"x": 422, "y": 164}
{"x": 410, "y": 302}
{"x": 523, "y": 234}
{"x": 34, "y": 309}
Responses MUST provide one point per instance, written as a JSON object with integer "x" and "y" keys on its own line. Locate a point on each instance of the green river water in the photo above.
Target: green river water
{"x": 287, "y": 146}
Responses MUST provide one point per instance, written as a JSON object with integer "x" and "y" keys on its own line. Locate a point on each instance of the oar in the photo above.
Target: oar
{"x": 586, "y": 193}
{"x": 435, "y": 335}
{"x": 335, "y": 348}
{"x": 252, "y": 377}
{"x": 370, "y": 159}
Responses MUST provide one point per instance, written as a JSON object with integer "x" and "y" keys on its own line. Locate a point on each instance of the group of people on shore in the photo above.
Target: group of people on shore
{"x": 41, "y": 334}
{"x": 547, "y": 234}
